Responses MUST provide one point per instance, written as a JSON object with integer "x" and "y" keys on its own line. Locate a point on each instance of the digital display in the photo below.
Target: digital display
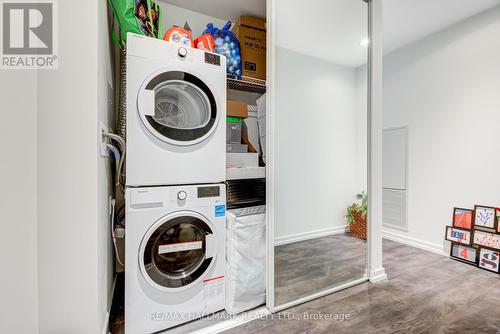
{"x": 211, "y": 58}
{"x": 204, "y": 192}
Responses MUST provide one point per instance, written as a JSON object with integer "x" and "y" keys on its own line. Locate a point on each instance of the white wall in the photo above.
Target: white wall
{"x": 174, "y": 15}
{"x": 446, "y": 89}
{"x": 105, "y": 181}
{"x": 73, "y": 239}
{"x": 316, "y": 143}
{"x": 18, "y": 239}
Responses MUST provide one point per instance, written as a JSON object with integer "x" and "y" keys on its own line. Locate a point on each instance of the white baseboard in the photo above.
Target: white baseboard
{"x": 378, "y": 275}
{"x": 288, "y": 239}
{"x": 105, "y": 325}
{"x": 427, "y": 246}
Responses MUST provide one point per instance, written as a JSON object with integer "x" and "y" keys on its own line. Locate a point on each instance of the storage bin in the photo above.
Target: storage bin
{"x": 233, "y": 130}
{"x": 236, "y": 148}
{"x": 234, "y": 160}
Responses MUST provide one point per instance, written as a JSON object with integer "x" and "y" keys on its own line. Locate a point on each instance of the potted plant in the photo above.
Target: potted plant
{"x": 356, "y": 216}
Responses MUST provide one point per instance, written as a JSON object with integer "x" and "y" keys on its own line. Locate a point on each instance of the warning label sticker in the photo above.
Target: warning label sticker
{"x": 179, "y": 247}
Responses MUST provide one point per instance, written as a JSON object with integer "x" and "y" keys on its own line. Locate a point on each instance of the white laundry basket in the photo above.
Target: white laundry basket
{"x": 245, "y": 259}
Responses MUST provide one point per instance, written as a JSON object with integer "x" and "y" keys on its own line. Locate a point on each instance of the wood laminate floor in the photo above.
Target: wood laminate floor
{"x": 424, "y": 293}
{"x": 306, "y": 267}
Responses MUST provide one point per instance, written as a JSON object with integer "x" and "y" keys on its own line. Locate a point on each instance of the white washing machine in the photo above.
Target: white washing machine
{"x": 176, "y": 114}
{"x": 174, "y": 255}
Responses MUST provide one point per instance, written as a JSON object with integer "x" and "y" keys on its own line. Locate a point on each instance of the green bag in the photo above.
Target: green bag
{"x": 143, "y": 17}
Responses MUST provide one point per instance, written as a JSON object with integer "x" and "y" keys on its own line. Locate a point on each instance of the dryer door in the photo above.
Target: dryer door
{"x": 177, "y": 251}
{"x": 177, "y": 108}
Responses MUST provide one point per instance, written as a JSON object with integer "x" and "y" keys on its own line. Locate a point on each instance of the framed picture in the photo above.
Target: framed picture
{"x": 484, "y": 216}
{"x": 487, "y": 239}
{"x": 463, "y": 253}
{"x": 458, "y": 235}
{"x": 498, "y": 219}
{"x": 463, "y": 218}
{"x": 489, "y": 259}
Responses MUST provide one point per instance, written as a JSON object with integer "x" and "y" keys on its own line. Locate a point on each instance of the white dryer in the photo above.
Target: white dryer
{"x": 176, "y": 114}
{"x": 174, "y": 255}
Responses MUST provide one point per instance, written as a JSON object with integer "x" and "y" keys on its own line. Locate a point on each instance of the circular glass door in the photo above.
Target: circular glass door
{"x": 179, "y": 108}
{"x": 177, "y": 251}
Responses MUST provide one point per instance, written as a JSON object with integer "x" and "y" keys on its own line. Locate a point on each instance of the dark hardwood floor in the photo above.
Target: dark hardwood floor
{"x": 425, "y": 293}
{"x": 306, "y": 267}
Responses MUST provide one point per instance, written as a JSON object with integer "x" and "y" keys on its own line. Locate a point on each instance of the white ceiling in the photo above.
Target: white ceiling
{"x": 224, "y": 9}
{"x": 333, "y": 29}
{"x": 326, "y": 29}
{"x": 406, "y": 21}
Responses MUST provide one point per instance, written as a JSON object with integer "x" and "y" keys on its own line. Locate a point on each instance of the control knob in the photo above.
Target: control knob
{"x": 181, "y": 195}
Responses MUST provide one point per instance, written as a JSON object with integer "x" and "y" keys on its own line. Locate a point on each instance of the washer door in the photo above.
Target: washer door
{"x": 177, "y": 108}
{"x": 177, "y": 250}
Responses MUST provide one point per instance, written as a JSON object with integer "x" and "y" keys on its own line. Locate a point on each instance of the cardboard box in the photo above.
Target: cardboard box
{"x": 251, "y": 32}
{"x": 236, "y": 109}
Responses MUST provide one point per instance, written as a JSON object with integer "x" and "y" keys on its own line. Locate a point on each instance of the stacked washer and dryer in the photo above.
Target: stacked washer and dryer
{"x": 175, "y": 195}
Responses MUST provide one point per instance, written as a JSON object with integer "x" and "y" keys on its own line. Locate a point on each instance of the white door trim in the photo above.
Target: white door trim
{"x": 376, "y": 270}
{"x": 270, "y": 142}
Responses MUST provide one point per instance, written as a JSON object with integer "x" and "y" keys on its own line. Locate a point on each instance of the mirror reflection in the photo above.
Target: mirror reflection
{"x": 320, "y": 146}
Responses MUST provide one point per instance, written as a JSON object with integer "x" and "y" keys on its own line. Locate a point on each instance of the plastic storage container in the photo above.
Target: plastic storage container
{"x": 233, "y": 130}
{"x": 236, "y": 148}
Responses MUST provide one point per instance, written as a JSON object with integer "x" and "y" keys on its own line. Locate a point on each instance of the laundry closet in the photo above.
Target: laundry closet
{"x": 246, "y": 148}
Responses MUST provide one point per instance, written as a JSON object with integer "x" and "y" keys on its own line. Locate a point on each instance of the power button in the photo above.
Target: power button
{"x": 181, "y": 195}
{"x": 182, "y": 52}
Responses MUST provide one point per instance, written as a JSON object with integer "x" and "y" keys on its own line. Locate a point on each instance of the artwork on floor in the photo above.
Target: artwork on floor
{"x": 484, "y": 216}
{"x": 487, "y": 239}
{"x": 462, "y": 218}
{"x": 498, "y": 219}
{"x": 464, "y": 253}
{"x": 458, "y": 235}
{"x": 475, "y": 237}
{"x": 489, "y": 260}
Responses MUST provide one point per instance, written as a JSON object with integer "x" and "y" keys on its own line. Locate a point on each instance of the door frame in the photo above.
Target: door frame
{"x": 375, "y": 271}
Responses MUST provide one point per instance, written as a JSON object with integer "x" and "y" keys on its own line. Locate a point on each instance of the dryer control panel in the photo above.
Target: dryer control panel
{"x": 208, "y": 191}
{"x": 211, "y": 58}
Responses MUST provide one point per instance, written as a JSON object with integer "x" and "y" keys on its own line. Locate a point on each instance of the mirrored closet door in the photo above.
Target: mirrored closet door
{"x": 318, "y": 148}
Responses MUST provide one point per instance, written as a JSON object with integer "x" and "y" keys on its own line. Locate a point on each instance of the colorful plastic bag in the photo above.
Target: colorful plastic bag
{"x": 205, "y": 42}
{"x": 228, "y": 45}
{"x": 142, "y": 17}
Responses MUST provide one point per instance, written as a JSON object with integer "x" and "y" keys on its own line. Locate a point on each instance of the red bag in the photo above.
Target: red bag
{"x": 205, "y": 42}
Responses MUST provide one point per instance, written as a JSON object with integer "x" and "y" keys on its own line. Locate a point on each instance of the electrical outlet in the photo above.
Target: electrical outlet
{"x": 119, "y": 232}
{"x": 102, "y": 129}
